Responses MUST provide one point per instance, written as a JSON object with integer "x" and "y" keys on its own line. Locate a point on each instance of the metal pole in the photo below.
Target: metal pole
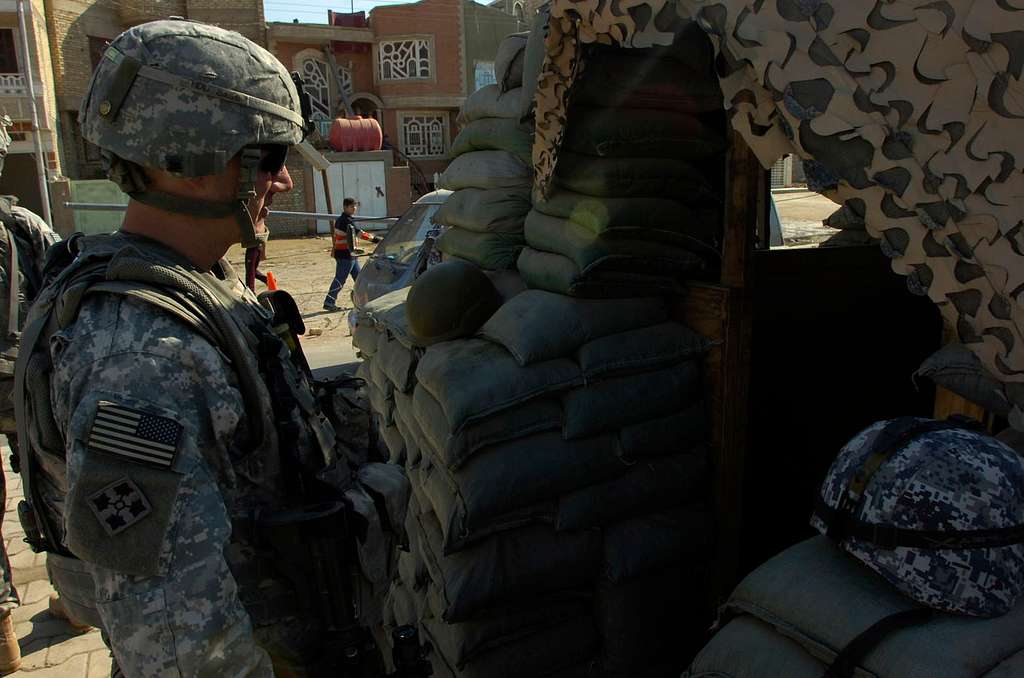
{"x": 44, "y": 189}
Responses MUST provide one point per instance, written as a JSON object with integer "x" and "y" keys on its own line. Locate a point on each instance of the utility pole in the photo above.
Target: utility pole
{"x": 44, "y": 189}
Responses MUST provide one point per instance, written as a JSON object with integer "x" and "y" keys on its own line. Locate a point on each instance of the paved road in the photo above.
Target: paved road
{"x": 49, "y": 649}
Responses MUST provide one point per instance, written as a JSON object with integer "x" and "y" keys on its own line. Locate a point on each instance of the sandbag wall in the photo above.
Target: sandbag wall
{"x": 559, "y": 521}
{"x": 636, "y": 201}
{"x": 490, "y": 173}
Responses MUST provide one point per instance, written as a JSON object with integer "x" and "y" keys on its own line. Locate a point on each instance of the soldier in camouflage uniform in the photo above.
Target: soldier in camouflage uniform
{"x": 24, "y": 239}
{"x": 172, "y": 442}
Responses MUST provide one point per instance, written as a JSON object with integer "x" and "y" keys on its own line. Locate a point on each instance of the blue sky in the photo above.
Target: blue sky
{"x": 315, "y": 11}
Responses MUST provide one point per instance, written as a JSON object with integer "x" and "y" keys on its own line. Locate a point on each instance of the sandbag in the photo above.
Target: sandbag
{"x": 387, "y": 312}
{"x": 533, "y": 60}
{"x": 501, "y": 486}
{"x": 661, "y": 219}
{"x": 748, "y": 648}
{"x": 645, "y": 133}
{"x": 508, "y": 283}
{"x": 956, "y": 368}
{"x": 454, "y": 449}
{"x": 382, "y": 406}
{"x": 615, "y": 402}
{"x": 490, "y": 102}
{"x": 540, "y": 654}
{"x": 486, "y": 169}
{"x": 648, "y": 621}
{"x": 378, "y": 378}
{"x": 495, "y": 134}
{"x": 461, "y": 643}
{"x": 365, "y": 337}
{"x": 835, "y": 598}
{"x": 402, "y": 605}
{"x": 590, "y": 251}
{"x": 397, "y": 363}
{"x": 494, "y": 251}
{"x": 474, "y": 378}
{"x": 638, "y": 546}
{"x": 508, "y": 567}
{"x": 654, "y": 484}
{"x": 679, "y": 431}
{"x": 523, "y": 324}
{"x": 508, "y": 61}
{"x": 558, "y": 274}
{"x": 409, "y": 430}
{"x": 641, "y": 349}
{"x": 634, "y": 177}
{"x": 499, "y": 210}
{"x": 394, "y": 441}
{"x": 643, "y": 78}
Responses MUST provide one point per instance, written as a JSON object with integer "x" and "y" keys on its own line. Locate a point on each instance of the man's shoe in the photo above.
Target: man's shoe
{"x": 58, "y": 611}
{"x": 10, "y": 653}
{"x": 331, "y": 307}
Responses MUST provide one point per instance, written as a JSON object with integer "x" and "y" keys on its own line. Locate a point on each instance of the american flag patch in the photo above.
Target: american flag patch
{"x": 135, "y": 435}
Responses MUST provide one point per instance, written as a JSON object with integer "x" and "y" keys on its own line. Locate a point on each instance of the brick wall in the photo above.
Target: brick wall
{"x": 295, "y": 200}
{"x": 438, "y": 18}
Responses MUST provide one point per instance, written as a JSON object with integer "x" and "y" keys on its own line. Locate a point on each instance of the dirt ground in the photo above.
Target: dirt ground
{"x": 305, "y": 268}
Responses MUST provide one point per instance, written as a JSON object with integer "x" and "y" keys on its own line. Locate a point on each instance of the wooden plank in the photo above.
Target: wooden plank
{"x": 948, "y": 403}
{"x": 744, "y": 177}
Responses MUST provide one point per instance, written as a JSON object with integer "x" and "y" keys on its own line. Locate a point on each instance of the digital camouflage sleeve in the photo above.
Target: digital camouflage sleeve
{"x": 153, "y": 415}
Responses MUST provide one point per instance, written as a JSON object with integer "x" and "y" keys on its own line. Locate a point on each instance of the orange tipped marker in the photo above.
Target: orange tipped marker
{"x": 271, "y": 281}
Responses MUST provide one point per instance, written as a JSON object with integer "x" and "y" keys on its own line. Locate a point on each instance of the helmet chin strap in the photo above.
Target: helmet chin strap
{"x": 215, "y": 209}
{"x": 250, "y": 161}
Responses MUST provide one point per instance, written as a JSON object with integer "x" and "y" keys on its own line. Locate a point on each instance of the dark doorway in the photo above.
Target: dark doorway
{"x": 20, "y": 179}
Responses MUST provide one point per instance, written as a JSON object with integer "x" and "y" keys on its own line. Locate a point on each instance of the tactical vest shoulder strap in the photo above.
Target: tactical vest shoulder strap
{"x": 73, "y": 274}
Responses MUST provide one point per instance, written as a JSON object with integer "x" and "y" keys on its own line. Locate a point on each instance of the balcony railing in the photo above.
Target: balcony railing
{"x": 13, "y": 84}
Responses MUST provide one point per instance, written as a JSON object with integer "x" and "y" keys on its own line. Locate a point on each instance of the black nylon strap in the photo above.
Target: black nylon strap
{"x": 849, "y": 657}
{"x": 844, "y": 526}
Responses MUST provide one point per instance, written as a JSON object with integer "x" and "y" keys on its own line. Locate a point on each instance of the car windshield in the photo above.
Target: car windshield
{"x": 407, "y": 234}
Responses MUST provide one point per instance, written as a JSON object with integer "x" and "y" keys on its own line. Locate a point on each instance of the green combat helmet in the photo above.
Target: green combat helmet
{"x": 186, "y": 97}
{"x": 450, "y": 301}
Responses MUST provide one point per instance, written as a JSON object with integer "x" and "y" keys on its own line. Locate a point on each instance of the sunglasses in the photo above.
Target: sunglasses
{"x": 272, "y": 158}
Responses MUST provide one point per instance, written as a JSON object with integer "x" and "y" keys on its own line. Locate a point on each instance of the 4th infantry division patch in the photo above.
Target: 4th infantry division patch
{"x": 119, "y": 506}
{"x": 134, "y": 435}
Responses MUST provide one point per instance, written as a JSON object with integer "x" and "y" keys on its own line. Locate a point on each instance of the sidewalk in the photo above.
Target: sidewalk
{"x": 48, "y": 648}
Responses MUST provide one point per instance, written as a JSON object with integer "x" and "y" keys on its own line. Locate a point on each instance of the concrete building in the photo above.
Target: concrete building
{"x": 20, "y": 176}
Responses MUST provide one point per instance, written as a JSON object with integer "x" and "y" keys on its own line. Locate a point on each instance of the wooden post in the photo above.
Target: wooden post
{"x": 722, "y": 313}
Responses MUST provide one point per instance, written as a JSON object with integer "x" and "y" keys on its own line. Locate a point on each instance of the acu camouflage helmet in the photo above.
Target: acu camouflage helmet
{"x": 186, "y": 98}
{"x": 5, "y": 138}
{"x": 935, "y": 509}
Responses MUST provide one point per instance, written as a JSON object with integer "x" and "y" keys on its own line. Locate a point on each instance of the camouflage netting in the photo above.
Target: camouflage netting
{"x": 912, "y": 107}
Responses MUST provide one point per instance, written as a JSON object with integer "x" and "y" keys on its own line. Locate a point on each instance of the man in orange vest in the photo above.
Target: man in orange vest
{"x": 345, "y": 234}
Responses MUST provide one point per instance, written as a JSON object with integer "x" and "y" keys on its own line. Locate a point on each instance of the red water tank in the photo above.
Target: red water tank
{"x": 355, "y": 134}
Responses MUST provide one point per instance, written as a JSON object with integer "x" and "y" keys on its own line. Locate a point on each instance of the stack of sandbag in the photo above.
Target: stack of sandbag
{"x": 559, "y": 523}
{"x": 636, "y": 200}
{"x": 389, "y": 363}
{"x": 491, "y": 171}
{"x": 796, "y": 613}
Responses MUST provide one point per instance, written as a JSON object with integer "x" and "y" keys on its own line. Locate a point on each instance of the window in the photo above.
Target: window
{"x": 97, "y": 46}
{"x": 403, "y": 59}
{"x": 424, "y": 135}
{"x": 314, "y": 78}
{"x": 8, "y": 53}
{"x": 484, "y": 74}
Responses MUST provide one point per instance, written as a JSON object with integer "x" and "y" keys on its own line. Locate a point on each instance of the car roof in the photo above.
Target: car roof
{"x": 436, "y": 198}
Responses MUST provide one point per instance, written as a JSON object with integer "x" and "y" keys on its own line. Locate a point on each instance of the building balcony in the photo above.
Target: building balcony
{"x": 13, "y": 85}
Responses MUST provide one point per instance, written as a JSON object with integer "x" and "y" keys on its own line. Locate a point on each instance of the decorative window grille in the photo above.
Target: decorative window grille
{"x": 484, "y": 74}
{"x": 424, "y": 135}
{"x": 403, "y": 59}
{"x": 314, "y": 78}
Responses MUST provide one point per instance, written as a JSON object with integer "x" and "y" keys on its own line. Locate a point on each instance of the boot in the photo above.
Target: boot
{"x": 10, "y": 653}
{"x": 58, "y": 611}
